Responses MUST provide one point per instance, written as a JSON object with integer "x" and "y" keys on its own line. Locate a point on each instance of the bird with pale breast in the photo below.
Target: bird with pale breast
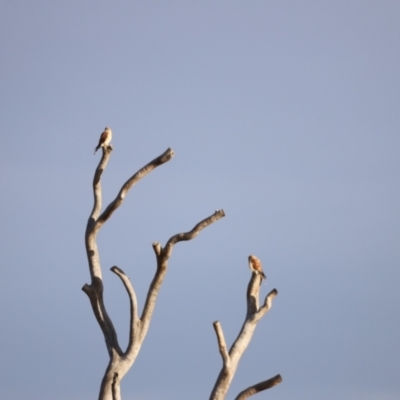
{"x": 105, "y": 139}
{"x": 255, "y": 266}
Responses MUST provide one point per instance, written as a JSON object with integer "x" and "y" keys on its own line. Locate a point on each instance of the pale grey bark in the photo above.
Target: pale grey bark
{"x": 121, "y": 361}
{"x": 231, "y": 358}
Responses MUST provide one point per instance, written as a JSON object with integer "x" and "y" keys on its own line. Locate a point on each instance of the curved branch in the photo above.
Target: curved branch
{"x": 134, "y": 319}
{"x": 163, "y": 158}
{"x": 163, "y": 255}
{"x": 191, "y": 234}
{"x": 267, "y": 303}
{"x": 259, "y": 387}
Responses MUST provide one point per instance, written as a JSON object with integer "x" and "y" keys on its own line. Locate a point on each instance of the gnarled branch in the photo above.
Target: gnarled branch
{"x": 134, "y": 318}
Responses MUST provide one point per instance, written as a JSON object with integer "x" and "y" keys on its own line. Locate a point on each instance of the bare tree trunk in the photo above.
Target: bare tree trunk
{"x": 231, "y": 359}
{"x": 121, "y": 361}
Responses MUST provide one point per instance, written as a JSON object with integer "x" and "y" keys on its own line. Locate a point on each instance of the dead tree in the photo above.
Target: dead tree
{"x": 121, "y": 361}
{"x": 231, "y": 358}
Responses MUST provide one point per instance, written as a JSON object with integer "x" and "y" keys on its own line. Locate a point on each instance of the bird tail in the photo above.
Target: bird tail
{"x": 96, "y": 149}
{"x": 262, "y": 276}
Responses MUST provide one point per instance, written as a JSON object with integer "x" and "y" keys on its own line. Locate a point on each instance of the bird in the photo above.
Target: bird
{"x": 255, "y": 266}
{"x": 105, "y": 139}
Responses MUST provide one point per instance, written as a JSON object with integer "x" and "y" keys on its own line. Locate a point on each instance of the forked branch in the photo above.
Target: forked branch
{"x": 121, "y": 361}
{"x": 95, "y": 222}
{"x": 231, "y": 359}
{"x": 163, "y": 255}
{"x": 163, "y": 158}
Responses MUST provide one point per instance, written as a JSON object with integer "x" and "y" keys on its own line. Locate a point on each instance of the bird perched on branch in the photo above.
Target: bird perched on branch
{"x": 105, "y": 139}
{"x": 255, "y": 266}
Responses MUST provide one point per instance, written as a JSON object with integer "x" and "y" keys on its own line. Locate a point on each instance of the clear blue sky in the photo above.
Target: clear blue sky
{"x": 283, "y": 113}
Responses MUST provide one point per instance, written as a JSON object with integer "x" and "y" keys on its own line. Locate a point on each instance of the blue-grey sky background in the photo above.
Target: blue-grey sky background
{"x": 283, "y": 113}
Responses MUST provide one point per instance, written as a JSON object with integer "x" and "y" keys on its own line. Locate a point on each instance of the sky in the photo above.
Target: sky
{"x": 283, "y": 113}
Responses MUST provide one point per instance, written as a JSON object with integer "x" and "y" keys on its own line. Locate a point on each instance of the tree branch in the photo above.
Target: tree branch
{"x": 253, "y": 315}
{"x": 134, "y": 319}
{"x": 95, "y": 222}
{"x": 120, "y": 362}
{"x": 221, "y": 344}
{"x": 191, "y": 234}
{"x": 97, "y": 186}
{"x": 163, "y": 158}
{"x": 163, "y": 255}
{"x": 267, "y": 303}
{"x": 95, "y": 294}
{"x": 259, "y": 387}
{"x": 157, "y": 249}
{"x": 252, "y": 294}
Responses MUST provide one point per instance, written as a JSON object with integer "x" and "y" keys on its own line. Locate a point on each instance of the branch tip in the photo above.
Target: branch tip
{"x": 273, "y": 293}
{"x": 117, "y": 270}
{"x": 259, "y": 387}
{"x": 267, "y": 302}
{"x": 221, "y": 344}
{"x": 157, "y": 248}
{"x": 167, "y": 155}
{"x": 179, "y": 237}
{"x": 220, "y": 212}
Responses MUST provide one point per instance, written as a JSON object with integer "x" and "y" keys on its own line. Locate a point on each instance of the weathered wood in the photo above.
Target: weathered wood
{"x": 230, "y": 360}
{"x": 121, "y": 361}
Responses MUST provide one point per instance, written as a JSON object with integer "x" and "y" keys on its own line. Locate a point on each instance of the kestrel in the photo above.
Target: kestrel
{"x": 255, "y": 266}
{"x": 105, "y": 139}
